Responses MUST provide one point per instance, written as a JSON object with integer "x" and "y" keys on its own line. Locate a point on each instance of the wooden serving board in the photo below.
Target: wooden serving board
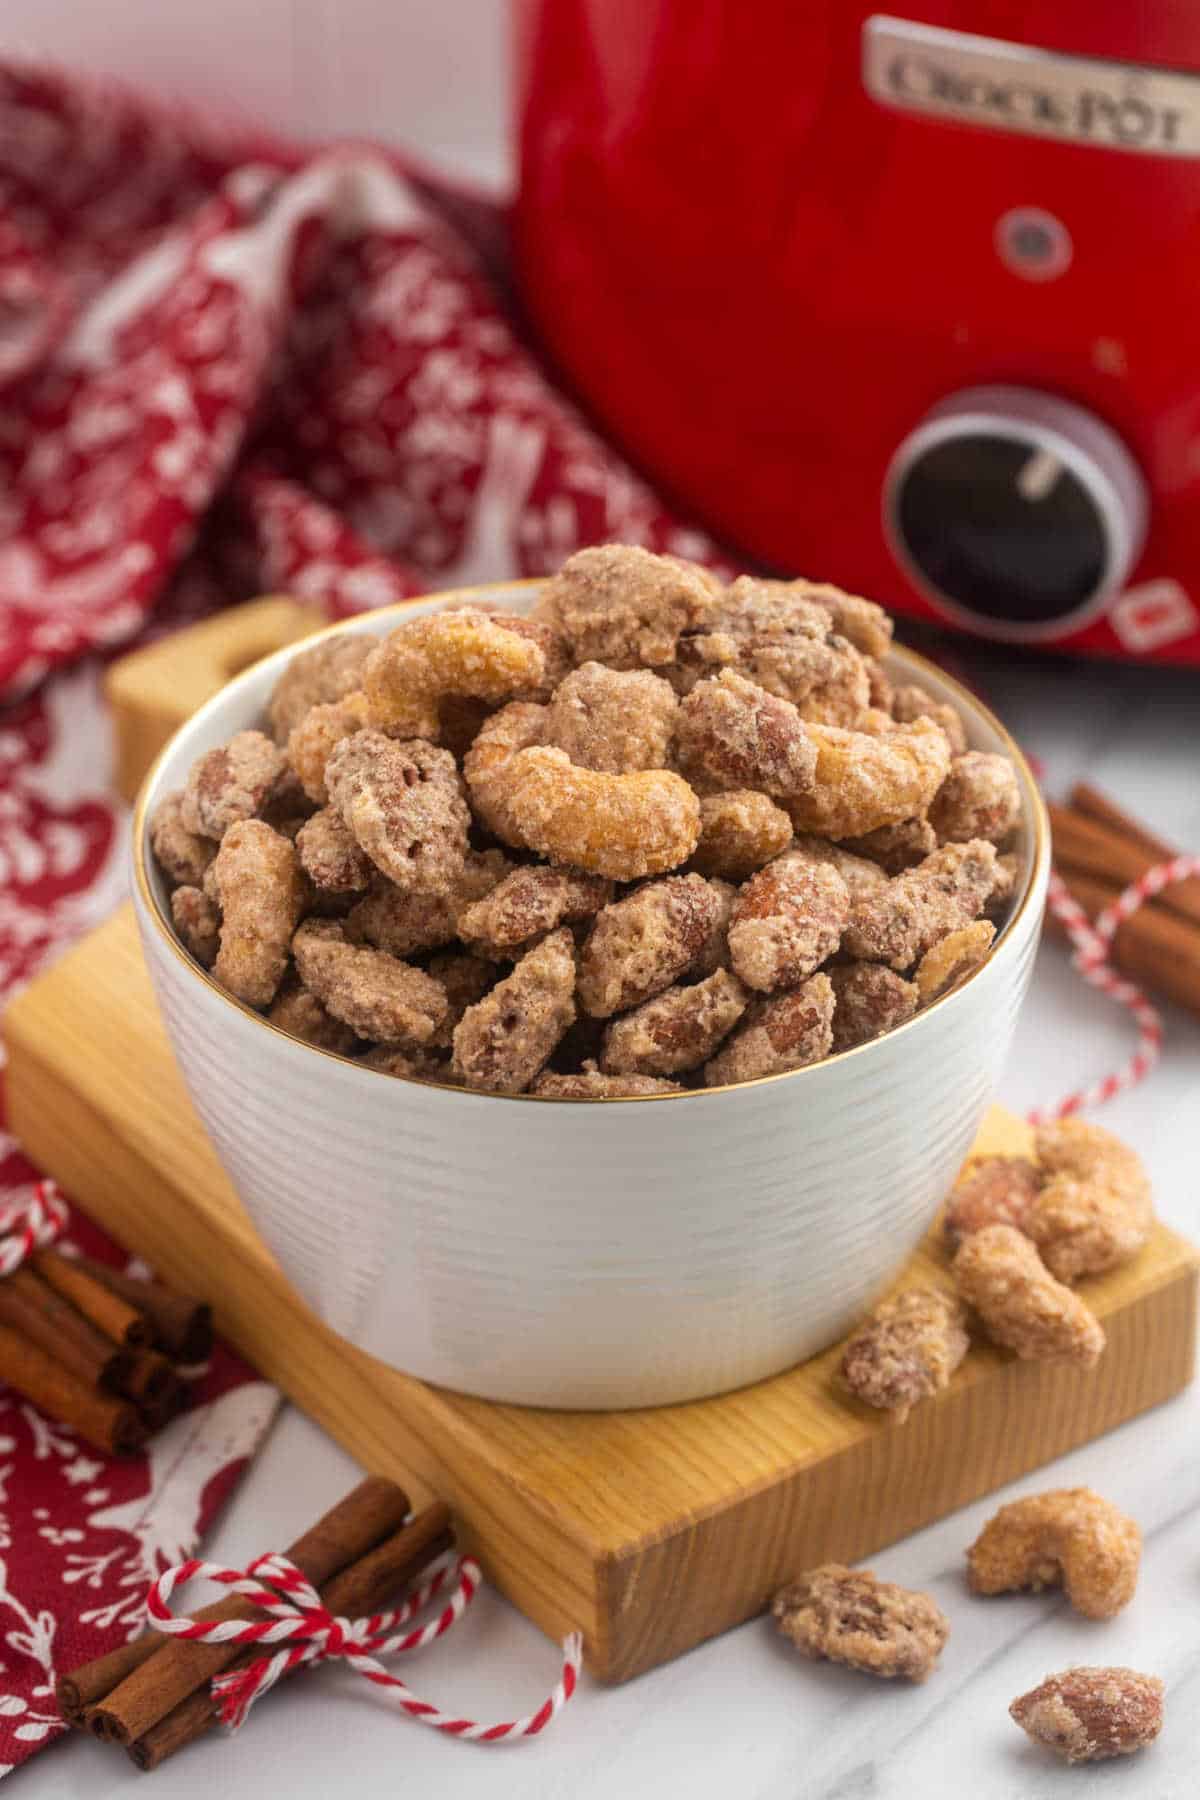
{"x": 649, "y": 1530}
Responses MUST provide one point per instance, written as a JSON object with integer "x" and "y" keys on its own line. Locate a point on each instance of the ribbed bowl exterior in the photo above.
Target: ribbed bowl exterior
{"x": 585, "y": 1255}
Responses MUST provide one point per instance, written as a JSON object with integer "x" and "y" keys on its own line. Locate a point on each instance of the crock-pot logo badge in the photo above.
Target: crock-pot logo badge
{"x": 1013, "y": 87}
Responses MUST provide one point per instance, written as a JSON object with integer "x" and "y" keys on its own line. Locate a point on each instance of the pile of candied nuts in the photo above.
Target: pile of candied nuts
{"x": 659, "y": 833}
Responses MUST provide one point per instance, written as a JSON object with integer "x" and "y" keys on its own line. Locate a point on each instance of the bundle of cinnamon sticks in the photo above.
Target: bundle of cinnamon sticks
{"x": 1098, "y": 851}
{"x": 97, "y": 1350}
{"x": 153, "y": 1696}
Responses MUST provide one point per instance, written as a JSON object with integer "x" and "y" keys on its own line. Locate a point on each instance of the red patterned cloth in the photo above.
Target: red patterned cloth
{"x": 226, "y": 368}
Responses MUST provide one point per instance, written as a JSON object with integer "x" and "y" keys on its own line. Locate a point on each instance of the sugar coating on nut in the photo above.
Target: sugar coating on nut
{"x": 314, "y": 739}
{"x": 1094, "y": 1211}
{"x": 528, "y": 903}
{"x": 739, "y": 832}
{"x": 612, "y": 719}
{"x": 991, "y": 1190}
{"x": 620, "y": 826}
{"x": 786, "y": 921}
{"x": 787, "y": 1032}
{"x": 860, "y": 875}
{"x": 898, "y": 923}
{"x": 775, "y": 633}
{"x": 909, "y": 702}
{"x": 183, "y": 855}
{"x": 714, "y": 953}
{"x": 198, "y": 923}
{"x": 870, "y": 1000}
{"x": 325, "y": 672}
{"x": 867, "y": 625}
{"x": 486, "y": 766}
{"x": 405, "y": 923}
{"x": 1090, "y": 1714}
{"x": 441, "y": 654}
{"x": 907, "y": 1350}
{"x": 299, "y": 1012}
{"x": 952, "y": 959}
{"x": 1008, "y": 873}
{"x": 840, "y": 1615}
{"x": 863, "y": 782}
{"x": 231, "y": 783}
{"x": 677, "y": 1030}
{"x": 260, "y": 889}
{"x": 643, "y": 943}
{"x": 732, "y": 733}
{"x": 381, "y": 998}
{"x": 591, "y": 1084}
{"x": 1070, "y": 1538}
{"x": 999, "y": 1272}
{"x": 407, "y": 1063}
{"x": 404, "y": 805}
{"x": 330, "y": 856}
{"x": 464, "y": 979}
{"x": 624, "y": 606}
{"x": 505, "y": 1041}
{"x": 894, "y": 848}
{"x": 979, "y": 798}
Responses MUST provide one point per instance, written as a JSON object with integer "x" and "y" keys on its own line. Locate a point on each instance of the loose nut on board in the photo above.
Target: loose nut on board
{"x": 1000, "y": 1274}
{"x": 907, "y": 1350}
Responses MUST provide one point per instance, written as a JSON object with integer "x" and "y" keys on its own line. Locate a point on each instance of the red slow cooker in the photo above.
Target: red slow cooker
{"x": 906, "y": 301}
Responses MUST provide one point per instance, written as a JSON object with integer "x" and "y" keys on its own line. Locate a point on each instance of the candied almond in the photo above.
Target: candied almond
{"x": 677, "y": 1030}
{"x": 642, "y": 943}
{"x": 849, "y": 1616}
{"x": 324, "y": 672}
{"x": 182, "y": 855}
{"x": 1070, "y": 1538}
{"x": 740, "y": 830}
{"x": 504, "y": 1041}
{"x": 621, "y": 605}
{"x": 860, "y": 875}
{"x": 898, "y": 923}
{"x": 952, "y": 959}
{"x": 528, "y": 903}
{"x": 907, "y": 1350}
{"x": 378, "y": 996}
{"x": 231, "y": 783}
{"x": 1090, "y": 1714}
{"x": 862, "y": 782}
{"x": 786, "y": 921}
{"x": 870, "y": 1000}
{"x": 616, "y": 720}
{"x": 466, "y": 653}
{"x": 777, "y": 1035}
{"x": 999, "y": 1272}
{"x": 621, "y": 826}
{"x": 404, "y": 806}
{"x": 260, "y": 889}
{"x": 732, "y": 733}
{"x": 979, "y": 798}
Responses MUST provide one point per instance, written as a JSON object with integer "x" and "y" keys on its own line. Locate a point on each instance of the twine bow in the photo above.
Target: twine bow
{"x": 29, "y": 1225}
{"x": 309, "y": 1633}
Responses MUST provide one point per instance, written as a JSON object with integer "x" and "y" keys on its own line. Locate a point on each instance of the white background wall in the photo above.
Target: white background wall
{"x": 429, "y": 74}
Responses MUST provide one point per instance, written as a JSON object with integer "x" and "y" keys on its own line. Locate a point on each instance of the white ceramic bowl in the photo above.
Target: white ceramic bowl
{"x": 600, "y": 1253}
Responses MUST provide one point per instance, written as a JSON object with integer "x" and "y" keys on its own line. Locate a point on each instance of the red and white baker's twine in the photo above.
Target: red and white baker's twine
{"x": 29, "y": 1225}
{"x": 1093, "y": 945}
{"x": 310, "y": 1633}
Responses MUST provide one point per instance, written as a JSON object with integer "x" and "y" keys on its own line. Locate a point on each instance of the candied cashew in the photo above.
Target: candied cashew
{"x": 323, "y": 673}
{"x": 591, "y": 1084}
{"x": 231, "y": 783}
{"x": 405, "y": 923}
{"x": 486, "y": 766}
{"x": 677, "y": 1030}
{"x": 404, "y": 806}
{"x": 621, "y": 605}
{"x": 952, "y": 959}
{"x": 899, "y": 922}
{"x": 182, "y": 855}
{"x": 470, "y": 654}
{"x": 870, "y": 1000}
{"x": 1094, "y": 1211}
{"x": 379, "y": 997}
{"x": 777, "y": 1035}
{"x": 979, "y": 798}
{"x": 786, "y": 921}
{"x": 1090, "y": 1714}
{"x": 620, "y": 826}
{"x": 257, "y": 882}
{"x": 849, "y": 1616}
{"x": 1070, "y": 1538}
{"x": 731, "y": 733}
{"x": 991, "y": 1190}
{"x": 999, "y": 1272}
{"x": 198, "y": 923}
{"x": 862, "y": 782}
{"x": 641, "y": 944}
{"x": 615, "y": 720}
{"x": 907, "y": 1350}
{"x": 314, "y": 739}
{"x": 739, "y": 831}
{"x": 505, "y": 1040}
{"x": 527, "y": 904}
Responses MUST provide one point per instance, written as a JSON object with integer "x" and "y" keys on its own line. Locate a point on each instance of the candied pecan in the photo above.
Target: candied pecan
{"x": 910, "y": 702}
{"x": 297, "y": 1011}
{"x": 787, "y": 1032}
{"x": 404, "y": 805}
{"x": 895, "y": 848}
{"x": 907, "y": 1350}
{"x": 486, "y": 766}
{"x": 991, "y": 1190}
{"x": 786, "y": 639}
{"x": 621, "y": 826}
{"x": 952, "y": 959}
{"x": 465, "y": 980}
{"x": 870, "y": 1001}
{"x": 182, "y": 855}
{"x": 739, "y": 832}
{"x": 1070, "y": 1538}
{"x": 835, "y": 1614}
{"x": 1094, "y": 1211}
{"x": 732, "y": 733}
{"x": 330, "y": 856}
{"x": 259, "y": 887}
{"x": 786, "y": 921}
{"x": 1090, "y": 1714}
{"x": 677, "y": 1030}
{"x": 324, "y": 672}
{"x": 441, "y": 654}
{"x": 978, "y": 799}
{"x": 621, "y": 605}
{"x": 314, "y": 739}
{"x": 1000, "y": 1274}
{"x": 898, "y": 923}
{"x": 404, "y": 923}
{"x": 860, "y": 875}
{"x": 198, "y": 923}
{"x": 505, "y": 1041}
{"x": 230, "y": 783}
{"x": 641, "y": 944}
{"x": 613, "y": 719}
{"x": 591, "y": 1084}
{"x": 527, "y": 904}
{"x": 862, "y": 782}
{"x": 380, "y": 997}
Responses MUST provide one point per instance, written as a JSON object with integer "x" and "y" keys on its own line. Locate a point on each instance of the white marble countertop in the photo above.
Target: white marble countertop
{"x": 742, "y": 1714}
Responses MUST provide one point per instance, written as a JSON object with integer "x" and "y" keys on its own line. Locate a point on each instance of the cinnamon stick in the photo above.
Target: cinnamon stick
{"x": 181, "y": 1325}
{"x": 31, "y": 1308}
{"x": 1098, "y": 850}
{"x": 150, "y": 1378}
{"x": 106, "y": 1310}
{"x": 355, "y": 1525}
{"x": 110, "y": 1423}
{"x": 1153, "y": 946}
{"x": 1090, "y": 801}
{"x": 361, "y": 1589}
